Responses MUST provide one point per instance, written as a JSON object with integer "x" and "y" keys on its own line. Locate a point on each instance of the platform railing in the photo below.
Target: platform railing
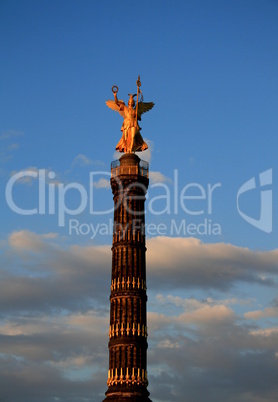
{"x": 142, "y": 169}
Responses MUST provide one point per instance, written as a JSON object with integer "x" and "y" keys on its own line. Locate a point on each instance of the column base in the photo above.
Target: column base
{"x": 130, "y": 394}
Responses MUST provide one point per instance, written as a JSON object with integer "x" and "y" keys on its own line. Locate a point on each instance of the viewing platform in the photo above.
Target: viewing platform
{"x": 129, "y": 164}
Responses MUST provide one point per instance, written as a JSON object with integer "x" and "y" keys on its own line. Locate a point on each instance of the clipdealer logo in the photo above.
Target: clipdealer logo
{"x": 193, "y": 199}
{"x": 264, "y": 223}
{"x": 172, "y": 199}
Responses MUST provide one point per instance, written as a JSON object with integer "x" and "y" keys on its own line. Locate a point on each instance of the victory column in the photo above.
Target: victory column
{"x": 127, "y": 374}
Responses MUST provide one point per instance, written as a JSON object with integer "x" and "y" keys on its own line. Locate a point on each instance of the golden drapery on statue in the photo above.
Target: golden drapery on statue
{"x": 131, "y": 140}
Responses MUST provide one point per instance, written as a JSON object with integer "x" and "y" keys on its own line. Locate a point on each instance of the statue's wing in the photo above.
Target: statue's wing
{"x": 144, "y": 107}
{"x": 116, "y": 106}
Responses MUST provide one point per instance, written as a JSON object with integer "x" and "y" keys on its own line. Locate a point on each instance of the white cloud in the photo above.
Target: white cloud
{"x": 55, "y": 318}
{"x": 208, "y": 314}
{"x": 52, "y": 276}
{"x": 193, "y": 303}
{"x": 167, "y": 343}
{"x": 50, "y": 235}
{"x": 147, "y": 154}
{"x": 266, "y": 332}
{"x": 28, "y": 177}
{"x": 12, "y": 147}
{"x": 27, "y": 241}
{"x": 82, "y": 160}
{"x": 117, "y": 155}
{"x": 102, "y": 183}
{"x": 158, "y": 177}
{"x": 267, "y": 312}
{"x": 195, "y": 311}
{"x": 7, "y": 148}
{"x": 25, "y": 179}
{"x": 5, "y": 135}
{"x": 206, "y": 344}
{"x": 188, "y": 262}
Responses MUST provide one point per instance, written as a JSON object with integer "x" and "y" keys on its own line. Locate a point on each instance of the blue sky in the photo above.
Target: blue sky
{"x": 210, "y": 67}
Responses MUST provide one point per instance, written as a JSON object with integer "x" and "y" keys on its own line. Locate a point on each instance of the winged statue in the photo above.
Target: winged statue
{"x": 131, "y": 140}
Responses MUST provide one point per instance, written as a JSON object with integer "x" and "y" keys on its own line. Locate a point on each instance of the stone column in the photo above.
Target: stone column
{"x": 127, "y": 374}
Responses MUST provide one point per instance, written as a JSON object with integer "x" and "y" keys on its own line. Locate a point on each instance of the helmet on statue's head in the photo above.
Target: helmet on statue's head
{"x": 131, "y": 100}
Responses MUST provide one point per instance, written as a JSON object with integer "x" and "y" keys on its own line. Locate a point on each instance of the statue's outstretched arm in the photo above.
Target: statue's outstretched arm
{"x": 116, "y": 98}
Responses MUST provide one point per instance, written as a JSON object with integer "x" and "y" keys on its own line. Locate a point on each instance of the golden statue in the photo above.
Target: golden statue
{"x": 131, "y": 140}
